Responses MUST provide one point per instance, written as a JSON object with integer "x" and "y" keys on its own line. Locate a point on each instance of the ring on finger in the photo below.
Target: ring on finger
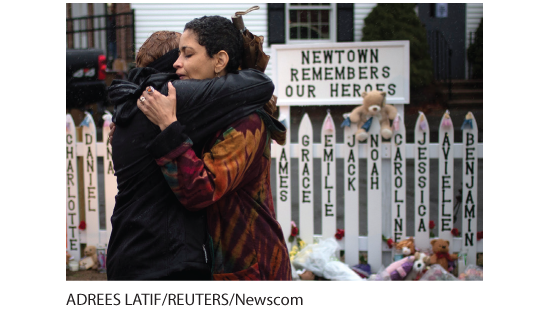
{"x": 142, "y": 99}
{"x": 150, "y": 89}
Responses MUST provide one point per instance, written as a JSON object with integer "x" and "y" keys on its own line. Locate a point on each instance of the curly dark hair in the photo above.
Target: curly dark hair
{"x": 217, "y": 33}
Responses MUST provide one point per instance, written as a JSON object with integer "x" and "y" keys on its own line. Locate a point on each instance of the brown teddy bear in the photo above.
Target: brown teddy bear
{"x": 374, "y": 104}
{"x": 407, "y": 246}
{"x": 90, "y": 261}
{"x": 441, "y": 256}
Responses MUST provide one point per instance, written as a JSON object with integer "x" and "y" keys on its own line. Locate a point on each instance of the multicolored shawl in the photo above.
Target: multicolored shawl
{"x": 232, "y": 181}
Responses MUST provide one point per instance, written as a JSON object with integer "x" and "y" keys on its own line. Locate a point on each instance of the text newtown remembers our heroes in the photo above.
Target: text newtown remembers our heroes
{"x": 335, "y": 72}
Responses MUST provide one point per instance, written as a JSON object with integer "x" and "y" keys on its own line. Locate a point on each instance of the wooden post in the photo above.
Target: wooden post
{"x": 90, "y": 180}
{"x": 469, "y": 188}
{"x": 328, "y": 180}
{"x": 422, "y": 183}
{"x": 73, "y": 217}
{"x": 282, "y": 172}
{"x": 374, "y": 194}
{"x": 110, "y": 179}
{"x": 306, "y": 176}
{"x": 351, "y": 194}
{"x": 446, "y": 178}
{"x": 399, "y": 180}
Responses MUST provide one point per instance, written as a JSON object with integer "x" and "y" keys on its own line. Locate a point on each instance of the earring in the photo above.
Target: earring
{"x": 217, "y": 73}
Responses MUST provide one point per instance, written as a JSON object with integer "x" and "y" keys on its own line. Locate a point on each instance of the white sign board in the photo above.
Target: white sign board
{"x": 337, "y": 73}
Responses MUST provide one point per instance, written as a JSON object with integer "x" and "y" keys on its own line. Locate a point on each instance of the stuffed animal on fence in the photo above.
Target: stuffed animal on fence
{"x": 374, "y": 104}
{"x": 441, "y": 256}
{"x": 90, "y": 261}
{"x": 398, "y": 270}
{"x": 407, "y": 246}
{"x": 419, "y": 266}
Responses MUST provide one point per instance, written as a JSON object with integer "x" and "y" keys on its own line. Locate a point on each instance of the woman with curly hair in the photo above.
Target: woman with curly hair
{"x": 153, "y": 236}
{"x": 229, "y": 174}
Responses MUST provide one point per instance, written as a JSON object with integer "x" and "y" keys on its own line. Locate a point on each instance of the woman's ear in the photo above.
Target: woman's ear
{"x": 220, "y": 61}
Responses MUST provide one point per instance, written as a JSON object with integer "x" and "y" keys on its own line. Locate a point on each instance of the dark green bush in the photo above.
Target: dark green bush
{"x": 475, "y": 53}
{"x": 398, "y": 21}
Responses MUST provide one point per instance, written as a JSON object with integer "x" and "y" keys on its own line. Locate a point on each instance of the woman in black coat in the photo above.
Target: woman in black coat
{"x": 153, "y": 237}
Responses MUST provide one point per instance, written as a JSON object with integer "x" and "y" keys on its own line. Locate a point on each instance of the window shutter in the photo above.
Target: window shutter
{"x": 344, "y": 20}
{"x": 275, "y": 23}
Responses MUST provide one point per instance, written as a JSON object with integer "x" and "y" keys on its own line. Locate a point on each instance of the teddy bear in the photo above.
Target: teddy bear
{"x": 441, "y": 256}
{"x": 374, "y": 104}
{"x": 419, "y": 265}
{"x": 90, "y": 261}
{"x": 407, "y": 246}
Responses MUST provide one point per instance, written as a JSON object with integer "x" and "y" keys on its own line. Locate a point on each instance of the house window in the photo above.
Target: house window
{"x": 311, "y": 21}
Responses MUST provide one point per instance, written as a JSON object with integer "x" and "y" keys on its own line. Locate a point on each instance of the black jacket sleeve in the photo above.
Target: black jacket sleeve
{"x": 203, "y": 106}
{"x": 207, "y": 106}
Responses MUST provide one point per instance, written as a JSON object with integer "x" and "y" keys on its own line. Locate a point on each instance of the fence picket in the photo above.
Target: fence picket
{"x": 446, "y": 177}
{"x": 73, "y": 214}
{"x": 306, "y": 175}
{"x": 422, "y": 180}
{"x": 374, "y": 194}
{"x": 283, "y": 179}
{"x": 351, "y": 195}
{"x": 90, "y": 180}
{"x": 393, "y": 155}
{"x": 328, "y": 181}
{"x": 469, "y": 188}
{"x": 110, "y": 179}
{"x": 399, "y": 180}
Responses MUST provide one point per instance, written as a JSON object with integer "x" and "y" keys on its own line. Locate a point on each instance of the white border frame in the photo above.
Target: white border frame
{"x": 405, "y": 99}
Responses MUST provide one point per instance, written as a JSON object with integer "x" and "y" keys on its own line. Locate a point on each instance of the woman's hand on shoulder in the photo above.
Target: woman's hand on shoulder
{"x": 159, "y": 109}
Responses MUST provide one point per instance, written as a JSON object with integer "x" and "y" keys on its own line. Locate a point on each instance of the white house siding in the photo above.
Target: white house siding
{"x": 361, "y": 10}
{"x": 151, "y": 17}
{"x": 474, "y": 14}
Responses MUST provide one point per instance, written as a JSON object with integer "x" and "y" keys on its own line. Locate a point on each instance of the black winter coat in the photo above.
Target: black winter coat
{"x": 153, "y": 235}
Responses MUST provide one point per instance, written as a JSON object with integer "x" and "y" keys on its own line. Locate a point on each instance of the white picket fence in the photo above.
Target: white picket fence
{"x": 380, "y": 156}
{"x": 89, "y": 150}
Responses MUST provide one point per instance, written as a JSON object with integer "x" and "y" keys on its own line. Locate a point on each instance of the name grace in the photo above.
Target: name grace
{"x": 339, "y": 73}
